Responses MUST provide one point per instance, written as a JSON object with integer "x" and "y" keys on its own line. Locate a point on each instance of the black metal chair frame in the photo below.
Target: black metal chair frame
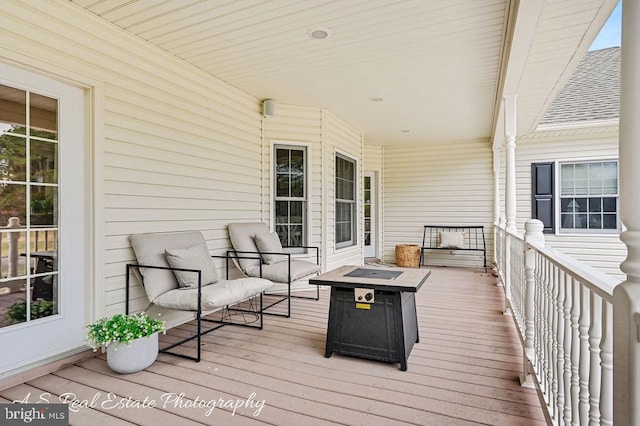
{"x": 475, "y": 240}
{"x": 257, "y": 255}
{"x": 198, "y": 312}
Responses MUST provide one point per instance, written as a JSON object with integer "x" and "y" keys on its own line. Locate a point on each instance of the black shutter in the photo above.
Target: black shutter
{"x": 542, "y": 185}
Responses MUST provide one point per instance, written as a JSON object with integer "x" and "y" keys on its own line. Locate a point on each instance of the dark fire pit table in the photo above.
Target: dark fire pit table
{"x": 373, "y": 311}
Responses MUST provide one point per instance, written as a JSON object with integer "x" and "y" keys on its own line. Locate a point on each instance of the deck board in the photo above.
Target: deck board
{"x": 464, "y": 370}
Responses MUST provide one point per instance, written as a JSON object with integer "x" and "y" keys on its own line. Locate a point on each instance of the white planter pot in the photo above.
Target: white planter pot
{"x": 136, "y": 356}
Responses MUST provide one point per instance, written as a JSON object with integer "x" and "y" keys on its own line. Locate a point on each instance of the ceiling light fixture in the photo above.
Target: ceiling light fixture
{"x": 318, "y": 33}
{"x": 376, "y": 99}
{"x": 405, "y": 131}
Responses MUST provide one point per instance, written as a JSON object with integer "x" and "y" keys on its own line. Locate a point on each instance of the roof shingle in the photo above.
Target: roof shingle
{"x": 592, "y": 93}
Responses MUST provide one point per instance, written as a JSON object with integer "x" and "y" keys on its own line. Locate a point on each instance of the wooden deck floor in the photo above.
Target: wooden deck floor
{"x": 463, "y": 371}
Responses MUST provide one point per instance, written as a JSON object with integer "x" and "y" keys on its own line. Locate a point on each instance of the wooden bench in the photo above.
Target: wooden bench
{"x": 454, "y": 238}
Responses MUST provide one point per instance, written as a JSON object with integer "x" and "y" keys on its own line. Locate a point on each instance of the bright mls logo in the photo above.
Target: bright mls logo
{"x": 34, "y": 414}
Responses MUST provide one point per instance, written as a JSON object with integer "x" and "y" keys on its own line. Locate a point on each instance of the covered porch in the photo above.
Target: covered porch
{"x": 177, "y": 137}
{"x": 464, "y": 371}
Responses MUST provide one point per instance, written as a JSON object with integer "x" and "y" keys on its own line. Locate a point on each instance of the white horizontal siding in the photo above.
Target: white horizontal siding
{"x": 604, "y": 252}
{"x": 440, "y": 184}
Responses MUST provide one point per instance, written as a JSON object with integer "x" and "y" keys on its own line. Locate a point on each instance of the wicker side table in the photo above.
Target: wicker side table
{"x": 408, "y": 256}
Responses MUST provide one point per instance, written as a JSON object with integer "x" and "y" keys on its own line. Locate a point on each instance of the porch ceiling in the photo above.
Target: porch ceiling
{"x": 441, "y": 66}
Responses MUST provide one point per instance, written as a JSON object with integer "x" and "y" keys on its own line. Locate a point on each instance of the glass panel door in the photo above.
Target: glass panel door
{"x": 369, "y": 214}
{"x": 42, "y": 260}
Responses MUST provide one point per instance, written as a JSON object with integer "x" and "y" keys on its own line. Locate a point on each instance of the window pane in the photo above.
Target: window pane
{"x": 296, "y": 212}
{"x": 45, "y": 240}
{"x": 282, "y": 211}
{"x": 567, "y": 221}
{"x": 44, "y": 160}
{"x": 13, "y": 203}
{"x": 13, "y": 114}
{"x": 297, "y": 161}
{"x": 295, "y": 236}
{"x": 44, "y": 113}
{"x": 581, "y": 186}
{"x": 595, "y": 205}
{"x": 44, "y": 298}
{"x": 297, "y": 185}
{"x": 609, "y": 204}
{"x": 282, "y": 160}
{"x": 13, "y": 151}
{"x": 595, "y": 221}
{"x": 13, "y": 308}
{"x": 609, "y": 221}
{"x": 595, "y": 179}
{"x": 610, "y": 186}
{"x": 580, "y": 221}
{"x": 282, "y": 186}
{"x": 283, "y": 233}
{"x": 44, "y": 205}
{"x": 13, "y": 247}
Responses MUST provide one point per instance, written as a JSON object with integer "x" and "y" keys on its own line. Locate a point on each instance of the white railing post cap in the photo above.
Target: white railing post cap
{"x": 533, "y": 231}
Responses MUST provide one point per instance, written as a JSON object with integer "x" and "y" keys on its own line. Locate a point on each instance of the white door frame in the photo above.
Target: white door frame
{"x": 371, "y": 250}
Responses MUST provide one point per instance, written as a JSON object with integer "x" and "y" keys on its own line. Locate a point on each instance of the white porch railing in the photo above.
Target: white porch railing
{"x": 564, "y": 314}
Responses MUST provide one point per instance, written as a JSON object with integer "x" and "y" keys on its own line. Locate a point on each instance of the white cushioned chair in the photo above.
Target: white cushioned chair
{"x": 177, "y": 272}
{"x": 257, "y": 253}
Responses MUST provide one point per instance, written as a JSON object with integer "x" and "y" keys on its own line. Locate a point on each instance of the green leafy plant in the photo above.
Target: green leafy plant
{"x": 122, "y": 329}
{"x": 39, "y": 309}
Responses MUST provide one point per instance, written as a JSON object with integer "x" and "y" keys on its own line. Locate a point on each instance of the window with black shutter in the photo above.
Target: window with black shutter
{"x": 542, "y": 184}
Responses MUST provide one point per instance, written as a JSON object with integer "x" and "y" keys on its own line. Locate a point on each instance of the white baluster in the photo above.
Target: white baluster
{"x": 568, "y": 302}
{"x": 575, "y": 352}
{"x": 562, "y": 296}
{"x": 507, "y": 275}
{"x": 584, "y": 353}
{"x": 555, "y": 326}
{"x": 606, "y": 361}
{"x": 595, "y": 335}
{"x": 548, "y": 313}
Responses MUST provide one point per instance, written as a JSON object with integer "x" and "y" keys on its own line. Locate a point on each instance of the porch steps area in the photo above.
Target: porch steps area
{"x": 464, "y": 371}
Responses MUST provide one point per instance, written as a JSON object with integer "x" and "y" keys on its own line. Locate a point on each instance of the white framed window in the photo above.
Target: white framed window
{"x": 588, "y": 196}
{"x": 290, "y": 194}
{"x": 345, "y": 193}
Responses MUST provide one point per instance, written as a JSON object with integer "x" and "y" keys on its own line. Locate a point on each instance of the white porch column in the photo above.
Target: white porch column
{"x": 496, "y": 210}
{"x": 496, "y": 185}
{"x": 626, "y": 296}
{"x": 510, "y": 178}
{"x": 510, "y": 191}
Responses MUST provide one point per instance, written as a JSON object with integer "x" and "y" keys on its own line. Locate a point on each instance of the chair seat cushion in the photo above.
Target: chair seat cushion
{"x": 278, "y": 272}
{"x": 214, "y": 296}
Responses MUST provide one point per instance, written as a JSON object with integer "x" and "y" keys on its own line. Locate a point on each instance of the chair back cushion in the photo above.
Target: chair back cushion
{"x": 197, "y": 258}
{"x": 267, "y": 244}
{"x": 242, "y": 236}
{"x": 150, "y": 250}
